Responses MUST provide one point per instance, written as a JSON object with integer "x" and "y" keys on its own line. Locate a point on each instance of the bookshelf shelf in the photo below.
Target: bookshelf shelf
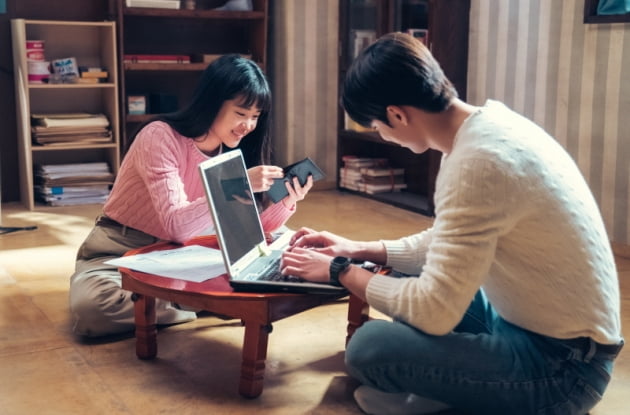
{"x": 71, "y": 86}
{"x": 92, "y": 44}
{"x": 36, "y": 148}
{"x": 154, "y": 31}
{"x": 404, "y": 200}
{"x": 361, "y": 22}
{"x": 165, "y": 66}
{"x": 195, "y": 14}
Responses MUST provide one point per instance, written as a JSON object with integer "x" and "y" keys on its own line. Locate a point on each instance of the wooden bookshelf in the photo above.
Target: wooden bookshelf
{"x": 447, "y": 25}
{"x": 179, "y": 32}
{"x": 92, "y": 44}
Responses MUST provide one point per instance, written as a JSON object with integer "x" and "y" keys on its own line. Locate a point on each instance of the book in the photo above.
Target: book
{"x": 70, "y": 120}
{"x": 381, "y": 171}
{"x": 94, "y": 74}
{"x": 87, "y": 80}
{"x": 351, "y": 161}
{"x": 383, "y": 180}
{"x": 137, "y": 58}
{"x": 381, "y": 188}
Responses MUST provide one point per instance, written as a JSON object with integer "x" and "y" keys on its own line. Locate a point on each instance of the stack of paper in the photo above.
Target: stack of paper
{"x": 73, "y": 184}
{"x": 70, "y": 128}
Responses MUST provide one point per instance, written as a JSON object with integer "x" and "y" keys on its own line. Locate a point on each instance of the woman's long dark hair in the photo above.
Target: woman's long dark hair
{"x": 229, "y": 77}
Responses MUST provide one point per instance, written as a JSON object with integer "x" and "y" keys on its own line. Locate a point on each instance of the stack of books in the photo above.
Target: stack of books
{"x": 70, "y": 128}
{"x": 371, "y": 175}
{"x": 73, "y": 184}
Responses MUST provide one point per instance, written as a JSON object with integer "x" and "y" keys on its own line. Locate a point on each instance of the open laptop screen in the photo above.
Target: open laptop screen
{"x": 235, "y": 215}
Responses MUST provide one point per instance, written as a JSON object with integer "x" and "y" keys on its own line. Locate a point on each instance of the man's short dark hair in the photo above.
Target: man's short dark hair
{"x": 397, "y": 69}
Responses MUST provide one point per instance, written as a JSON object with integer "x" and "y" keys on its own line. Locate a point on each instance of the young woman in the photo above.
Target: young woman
{"x": 158, "y": 194}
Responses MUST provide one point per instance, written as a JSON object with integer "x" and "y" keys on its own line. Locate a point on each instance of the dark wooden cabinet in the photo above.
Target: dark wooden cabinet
{"x": 445, "y": 24}
{"x": 197, "y": 32}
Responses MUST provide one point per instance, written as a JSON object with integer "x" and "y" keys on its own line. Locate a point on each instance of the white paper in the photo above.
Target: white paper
{"x": 191, "y": 263}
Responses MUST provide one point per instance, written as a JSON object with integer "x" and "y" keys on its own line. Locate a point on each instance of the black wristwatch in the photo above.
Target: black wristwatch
{"x": 338, "y": 266}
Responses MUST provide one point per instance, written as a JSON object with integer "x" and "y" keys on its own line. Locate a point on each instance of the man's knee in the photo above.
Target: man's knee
{"x": 368, "y": 342}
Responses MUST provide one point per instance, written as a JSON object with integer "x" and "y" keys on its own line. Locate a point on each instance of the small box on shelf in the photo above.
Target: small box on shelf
{"x": 92, "y": 74}
{"x": 420, "y": 34}
{"x": 136, "y": 104}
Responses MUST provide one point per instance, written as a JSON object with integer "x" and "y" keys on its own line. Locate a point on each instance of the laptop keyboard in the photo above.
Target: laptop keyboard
{"x": 271, "y": 272}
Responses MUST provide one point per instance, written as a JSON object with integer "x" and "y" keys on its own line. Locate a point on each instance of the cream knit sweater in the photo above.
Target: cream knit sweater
{"x": 159, "y": 191}
{"x": 515, "y": 217}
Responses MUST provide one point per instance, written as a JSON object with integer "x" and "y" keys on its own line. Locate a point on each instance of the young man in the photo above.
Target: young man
{"x": 511, "y": 305}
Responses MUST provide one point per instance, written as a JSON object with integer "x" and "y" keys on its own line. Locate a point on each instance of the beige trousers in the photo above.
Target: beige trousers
{"x": 98, "y": 304}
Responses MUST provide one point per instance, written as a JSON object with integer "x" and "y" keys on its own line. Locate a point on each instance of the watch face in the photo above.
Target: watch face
{"x": 339, "y": 260}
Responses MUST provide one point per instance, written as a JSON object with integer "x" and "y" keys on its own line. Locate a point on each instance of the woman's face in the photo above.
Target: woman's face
{"x": 234, "y": 121}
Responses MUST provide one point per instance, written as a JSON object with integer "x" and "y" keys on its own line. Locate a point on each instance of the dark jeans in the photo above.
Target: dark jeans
{"x": 485, "y": 366}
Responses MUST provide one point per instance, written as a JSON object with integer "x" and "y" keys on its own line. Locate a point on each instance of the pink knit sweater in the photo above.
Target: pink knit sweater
{"x": 158, "y": 189}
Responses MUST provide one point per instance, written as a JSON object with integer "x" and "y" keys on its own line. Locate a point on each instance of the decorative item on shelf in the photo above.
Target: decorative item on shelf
{"x": 236, "y": 5}
{"x": 361, "y": 39}
{"x": 35, "y": 50}
{"x": 38, "y": 72}
{"x": 136, "y": 104}
{"x": 420, "y": 34}
{"x": 189, "y": 4}
{"x": 225, "y": 5}
{"x": 66, "y": 70}
{"x": 38, "y": 67}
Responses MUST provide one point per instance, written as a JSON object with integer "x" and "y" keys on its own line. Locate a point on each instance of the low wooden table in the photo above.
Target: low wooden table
{"x": 257, "y": 311}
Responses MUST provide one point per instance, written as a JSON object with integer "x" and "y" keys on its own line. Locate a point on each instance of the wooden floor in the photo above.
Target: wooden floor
{"x": 44, "y": 369}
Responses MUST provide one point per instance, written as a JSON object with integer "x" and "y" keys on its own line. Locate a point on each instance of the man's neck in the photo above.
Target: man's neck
{"x": 445, "y": 125}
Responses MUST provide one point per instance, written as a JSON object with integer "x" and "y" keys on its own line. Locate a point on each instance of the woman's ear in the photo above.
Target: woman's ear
{"x": 396, "y": 116}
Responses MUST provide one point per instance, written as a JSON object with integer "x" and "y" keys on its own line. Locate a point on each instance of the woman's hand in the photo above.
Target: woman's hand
{"x": 261, "y": 177}
{"x": 296, "y": 191}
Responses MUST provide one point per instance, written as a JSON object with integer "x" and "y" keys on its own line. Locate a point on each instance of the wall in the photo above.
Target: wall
{"x": 541, "y": 60}
{"x": 304, "y": 53}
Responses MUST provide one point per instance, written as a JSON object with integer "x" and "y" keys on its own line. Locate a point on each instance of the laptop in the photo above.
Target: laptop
{"x": 251, "y": 263}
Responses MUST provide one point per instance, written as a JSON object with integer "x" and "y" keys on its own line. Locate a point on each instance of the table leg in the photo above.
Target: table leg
{"x": 254, "y": 355}
{"x": 146, "y": 330}
{"x": 358, "y": 313}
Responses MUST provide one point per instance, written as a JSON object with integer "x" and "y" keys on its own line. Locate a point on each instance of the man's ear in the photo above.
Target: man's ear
{"x": 397, "y": 116}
